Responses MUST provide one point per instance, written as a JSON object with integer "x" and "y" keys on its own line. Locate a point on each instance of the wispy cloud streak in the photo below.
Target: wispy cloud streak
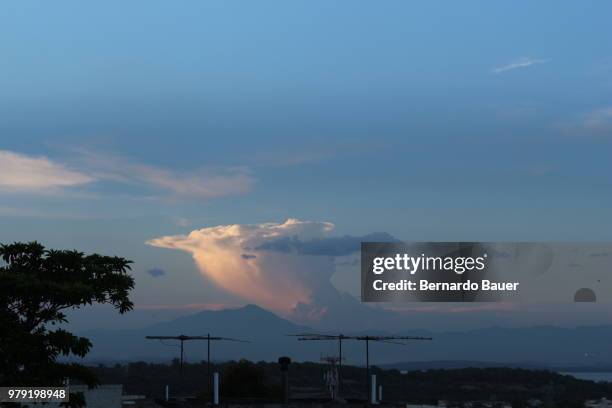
{"x": 523, "y": 62}
{"x": 38, "y": 174}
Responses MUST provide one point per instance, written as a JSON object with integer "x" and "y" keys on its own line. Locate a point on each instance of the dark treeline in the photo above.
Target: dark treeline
{"x": 262, "y": 380}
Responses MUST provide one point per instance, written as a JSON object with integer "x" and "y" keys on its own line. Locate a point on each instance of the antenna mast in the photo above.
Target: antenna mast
{"x": 367, "y": 339}
{"x": 182, "y": 338}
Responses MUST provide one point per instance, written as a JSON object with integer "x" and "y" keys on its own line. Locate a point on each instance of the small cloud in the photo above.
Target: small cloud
{"x": 156, "y": 272}
{"x": 595, "y": 123}
{"x": 248, "y": 256}
{"x": 38, "y": 174}
{"x": 523, "y": 62}
{"x": 599, "y": 119}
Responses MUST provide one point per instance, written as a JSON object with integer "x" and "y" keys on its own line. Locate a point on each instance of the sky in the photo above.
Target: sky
{"x": 124, "y": 123}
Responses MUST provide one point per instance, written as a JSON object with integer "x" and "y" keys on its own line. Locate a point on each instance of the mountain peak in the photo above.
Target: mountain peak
{"x": 252, "y": 311}
{"x": 227, "y": 321}
{"x": 253, "y": 307}
{"x": 258, "y": 311}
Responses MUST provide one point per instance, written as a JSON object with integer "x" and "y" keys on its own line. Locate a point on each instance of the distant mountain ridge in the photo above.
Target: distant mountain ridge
{"x": 229, "y": 321}
{"x": 267, "y": 333}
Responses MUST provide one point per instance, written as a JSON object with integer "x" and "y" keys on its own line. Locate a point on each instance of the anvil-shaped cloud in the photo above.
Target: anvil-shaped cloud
{"x": 285, "y": 267}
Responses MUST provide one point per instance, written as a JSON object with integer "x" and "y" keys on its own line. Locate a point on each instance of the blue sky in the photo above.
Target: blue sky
{"x": 427, "y": 120}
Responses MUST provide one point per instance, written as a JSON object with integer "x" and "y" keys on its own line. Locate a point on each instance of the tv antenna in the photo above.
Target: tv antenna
{"x": 182, "y": 338}
{"x": 381, "y": 339}
{"x": 331, "y": 376}
{"x": 328, "y": 337}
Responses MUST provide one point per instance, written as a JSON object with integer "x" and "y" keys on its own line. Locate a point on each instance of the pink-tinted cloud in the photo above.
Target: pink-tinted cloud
{"x": 276, "y": 280}
{"x": 23, "y": 173}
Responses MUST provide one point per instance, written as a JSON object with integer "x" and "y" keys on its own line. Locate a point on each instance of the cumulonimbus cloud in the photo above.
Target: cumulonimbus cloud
{"x": 522, "y": 62}
{"x": 275, "y": 280}
{"x": 283, "y": 267}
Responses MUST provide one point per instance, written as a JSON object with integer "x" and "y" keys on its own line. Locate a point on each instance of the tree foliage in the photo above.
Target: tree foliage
{"x": 37, "y": 286}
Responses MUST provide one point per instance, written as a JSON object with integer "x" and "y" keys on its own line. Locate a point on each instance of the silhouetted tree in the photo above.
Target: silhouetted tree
{"x": 36, "y": 286}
